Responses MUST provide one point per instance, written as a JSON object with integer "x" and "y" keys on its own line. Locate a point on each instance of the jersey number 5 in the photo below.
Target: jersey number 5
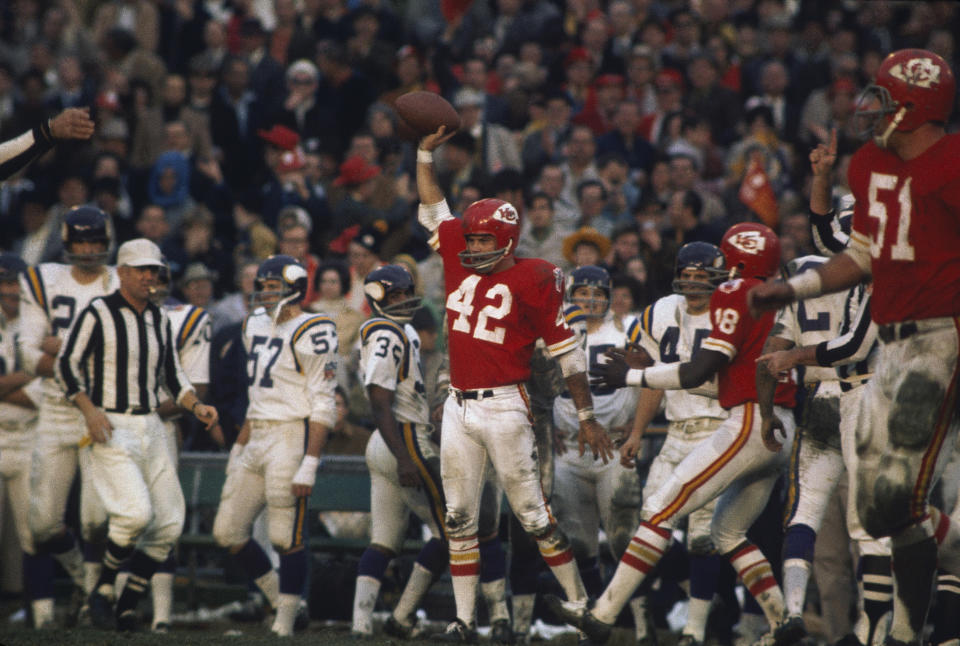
{"x": 461, "y": 302}
{"x": 881, "y": 184}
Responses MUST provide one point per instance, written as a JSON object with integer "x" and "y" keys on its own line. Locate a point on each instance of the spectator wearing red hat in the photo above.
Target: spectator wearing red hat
{"x": 607, "y": 93}
{"x": 352, "y": 197}
{"x": 284, "y": 182}
{"x": 578, "y": 69}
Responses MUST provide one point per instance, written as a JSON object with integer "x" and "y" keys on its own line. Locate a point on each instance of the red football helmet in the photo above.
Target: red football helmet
{"x": 913, "y": 86}
{"x": 752, "y": 248}
{"x": 490, "y": 217}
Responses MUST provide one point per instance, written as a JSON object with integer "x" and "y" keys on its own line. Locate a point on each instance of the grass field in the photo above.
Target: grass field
{"x": 226, "y": 633}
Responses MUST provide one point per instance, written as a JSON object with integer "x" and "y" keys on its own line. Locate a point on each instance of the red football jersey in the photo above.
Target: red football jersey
{"x": 494, "y": 320}
{"x": 741, "y": 337}
{"x": 908, "y": 213}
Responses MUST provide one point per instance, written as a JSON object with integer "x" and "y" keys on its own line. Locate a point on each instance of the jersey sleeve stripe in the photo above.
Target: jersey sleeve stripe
{"x": 646, "y": 319}
{"x": 36, "y": 287}
{"x": 719, "y": 345}
{"x": 189, "y": 325}
{"x": 309, "y": 323}
{"x": 574, "y": 314}
{"x": 434, "y": 240}
{"x": 375, "y": 325}
{"x": 562, "y": 347}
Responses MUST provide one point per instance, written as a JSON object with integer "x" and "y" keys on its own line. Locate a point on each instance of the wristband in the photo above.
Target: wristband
{"x": 806, "y": 284}
{"x": 635, "y": 377}
{"x": 585, "y": 414}
{"x": 424, "y": 156}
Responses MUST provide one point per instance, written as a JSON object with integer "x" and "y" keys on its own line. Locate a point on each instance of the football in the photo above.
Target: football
{"x": 425, "y": 112}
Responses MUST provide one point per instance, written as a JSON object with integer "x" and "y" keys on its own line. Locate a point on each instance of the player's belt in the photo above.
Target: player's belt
{"x": 463, "y": 395}
{"x": 899, "y": 331}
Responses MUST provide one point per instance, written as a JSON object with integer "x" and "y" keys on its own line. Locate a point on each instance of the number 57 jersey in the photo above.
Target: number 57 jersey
{"x": 291, "y": 368}
{"x": 494, "y": 320}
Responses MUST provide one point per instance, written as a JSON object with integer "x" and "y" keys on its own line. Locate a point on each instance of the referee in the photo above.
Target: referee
{"x": 119, "y": 353}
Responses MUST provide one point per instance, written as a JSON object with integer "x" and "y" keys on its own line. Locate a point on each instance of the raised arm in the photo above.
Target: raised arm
{"x": 433, "y": 207}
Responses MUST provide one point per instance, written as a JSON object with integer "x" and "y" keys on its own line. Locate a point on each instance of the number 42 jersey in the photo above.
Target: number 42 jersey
{"x": 51, "y": 300}
{"x": 291, "y": 368}
{"x": 494, "y": 320}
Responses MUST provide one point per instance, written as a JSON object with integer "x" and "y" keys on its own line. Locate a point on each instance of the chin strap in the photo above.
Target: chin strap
{"x": 897, "y": 118}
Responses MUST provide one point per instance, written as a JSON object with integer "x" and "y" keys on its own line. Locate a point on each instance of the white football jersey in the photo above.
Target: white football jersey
{"x": 390, "y": 358}
{"x": 291, "y": 368}
{"x": 50, "y": 301}
{"x": 672, "y": 335}
{"x": 812, "y": 321}
{"x": 191, "y": 329}
{"x": 12, "y": 417}
{"x": 612, "y": 407}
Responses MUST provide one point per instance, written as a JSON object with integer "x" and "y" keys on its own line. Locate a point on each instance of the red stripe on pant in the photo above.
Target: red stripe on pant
{"x": 559, "y": 559}
{"x": 466, "y": 569}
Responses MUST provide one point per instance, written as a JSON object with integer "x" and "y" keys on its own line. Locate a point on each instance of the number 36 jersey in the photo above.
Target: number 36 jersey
{"x": 51, "y": 299}
{"x": 390, "y": 358}
{"x": 494, "y": 320}
{"x": 291, "y": 368}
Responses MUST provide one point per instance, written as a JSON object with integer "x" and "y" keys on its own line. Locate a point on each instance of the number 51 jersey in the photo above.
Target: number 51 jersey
{"x": 51, "y": 298}
{"x": 494, "y": 320}
{"x": 291, "y": 368}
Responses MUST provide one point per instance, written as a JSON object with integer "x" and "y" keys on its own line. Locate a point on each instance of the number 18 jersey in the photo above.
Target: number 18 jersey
{"x": 741, "y": 337}
{"x": 494, "y": 320}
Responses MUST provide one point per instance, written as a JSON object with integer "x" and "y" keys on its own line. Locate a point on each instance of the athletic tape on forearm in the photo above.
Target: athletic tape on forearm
{"x": 663, "y": 377}
{"x": 806, "y": 284}
{"x": 573, "y": 362}
{"x": 431, "y": 215}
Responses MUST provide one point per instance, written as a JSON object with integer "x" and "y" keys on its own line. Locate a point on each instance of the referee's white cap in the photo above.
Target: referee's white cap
{"x": 139, "y": 253}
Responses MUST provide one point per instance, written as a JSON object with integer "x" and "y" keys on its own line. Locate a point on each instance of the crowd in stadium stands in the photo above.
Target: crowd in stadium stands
{"x": 231, "y": 130}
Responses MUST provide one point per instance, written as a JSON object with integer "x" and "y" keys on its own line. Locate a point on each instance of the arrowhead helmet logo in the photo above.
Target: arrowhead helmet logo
{"x": 922, "y": 72}
{"x": 506, "y": 213}
{"x": 751, "y": 242}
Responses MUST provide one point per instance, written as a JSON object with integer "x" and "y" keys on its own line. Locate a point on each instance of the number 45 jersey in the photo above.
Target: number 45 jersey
{"x": 291, "y": 368}
{"x": 51, "y": 299}
{"x": 670, "y": 334}
{"x": 494, "y": 320}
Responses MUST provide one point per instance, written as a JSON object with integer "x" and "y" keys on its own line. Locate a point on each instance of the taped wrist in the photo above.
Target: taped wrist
{"x": 307, "y": 473}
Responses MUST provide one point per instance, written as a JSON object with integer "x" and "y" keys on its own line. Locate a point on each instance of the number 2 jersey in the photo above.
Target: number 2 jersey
{"x": 613, "y": 407}
{"x": 291, "y": 368}
{"x": 390, "y": 358}
{"x": 741, "y": 337}
{"x": 51, "y": 299}
{"x": 670, "y": 334}
{"x": 906, "y": 217}
{"x": 494, "y": 320}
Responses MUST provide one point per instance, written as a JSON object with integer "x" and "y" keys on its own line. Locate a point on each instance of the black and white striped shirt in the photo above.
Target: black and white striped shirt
{"x": 121, "y": 358}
